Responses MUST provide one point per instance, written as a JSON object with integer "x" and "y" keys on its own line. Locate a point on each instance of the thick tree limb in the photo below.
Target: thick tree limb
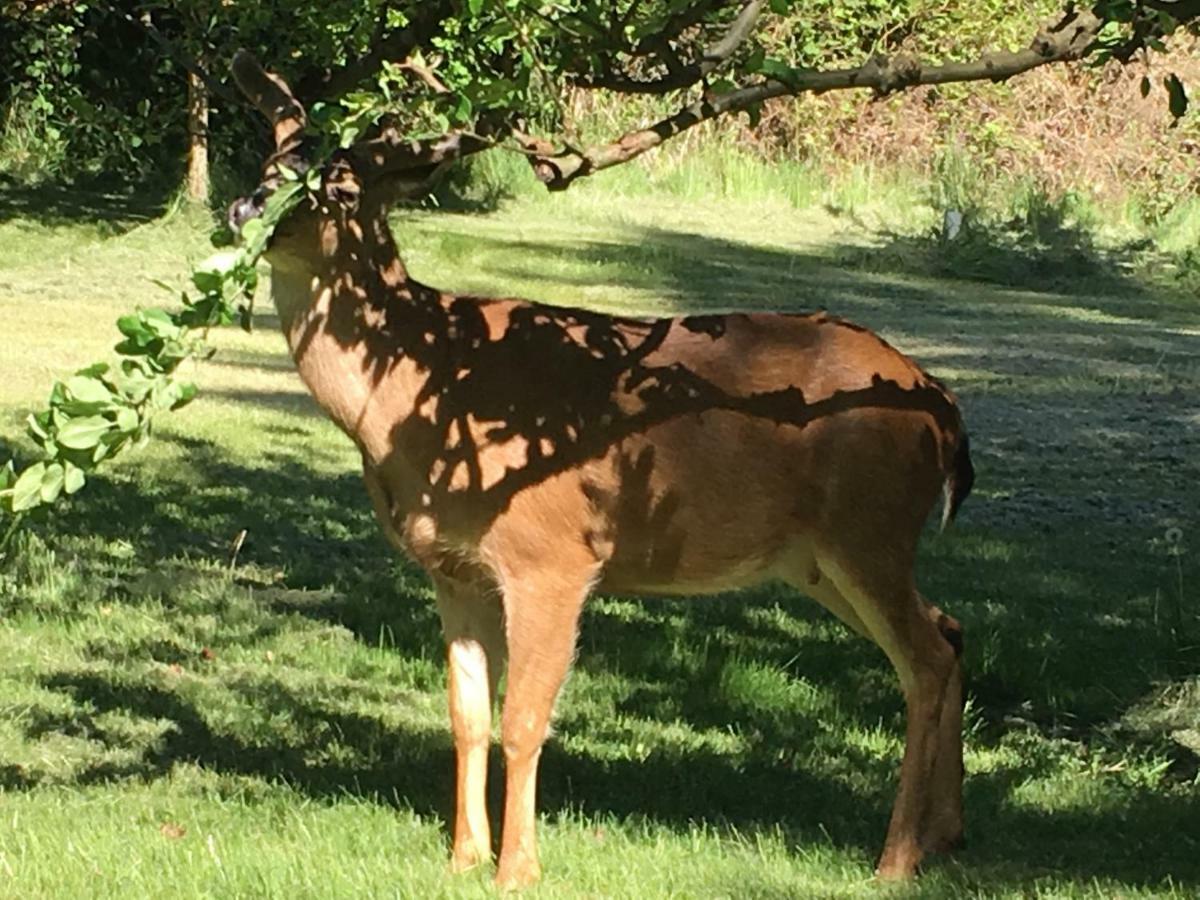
{"x": 1070, "y": 38}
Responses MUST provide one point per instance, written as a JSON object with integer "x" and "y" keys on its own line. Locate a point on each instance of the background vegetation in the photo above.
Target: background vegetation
{"x": 218, "y": 681}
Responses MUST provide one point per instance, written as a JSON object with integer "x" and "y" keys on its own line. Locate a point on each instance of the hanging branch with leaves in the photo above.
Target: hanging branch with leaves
{"x": 104, "y": 409}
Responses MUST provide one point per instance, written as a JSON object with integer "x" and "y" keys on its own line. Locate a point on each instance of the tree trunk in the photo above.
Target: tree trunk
{"x": 197, "y": 160}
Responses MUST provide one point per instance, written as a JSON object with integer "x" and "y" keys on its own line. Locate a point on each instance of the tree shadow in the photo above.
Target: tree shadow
{"x": 794, "y": 773}
{"x": 1045, "y": 250}
{"x": 118, "y": 206}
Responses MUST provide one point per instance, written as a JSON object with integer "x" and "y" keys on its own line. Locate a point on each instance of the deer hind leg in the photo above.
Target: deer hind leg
{"x": 944, "y": 823}
{"x": 905, "y": 627}
{"x": 824, "y": 592}
{"x": 472, "y": 623}
{"x": 542, "y": 620}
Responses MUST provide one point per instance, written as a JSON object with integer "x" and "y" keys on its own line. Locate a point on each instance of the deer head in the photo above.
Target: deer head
{"x": 357, "y": 185}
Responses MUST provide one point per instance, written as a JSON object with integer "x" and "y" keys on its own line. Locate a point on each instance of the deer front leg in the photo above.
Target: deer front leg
{"x": 472, "y": 625}
{"x": 541, "y": 622}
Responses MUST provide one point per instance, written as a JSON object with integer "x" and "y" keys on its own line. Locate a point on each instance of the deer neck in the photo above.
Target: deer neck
{"x": 342, "y": 310}
{"x": 354, "y": 255}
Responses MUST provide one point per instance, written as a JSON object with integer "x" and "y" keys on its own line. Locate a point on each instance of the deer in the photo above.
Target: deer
{"x": 528, "y": 455}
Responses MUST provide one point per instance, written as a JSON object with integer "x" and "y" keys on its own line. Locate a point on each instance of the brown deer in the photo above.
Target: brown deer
{"x": 526, "y": 455}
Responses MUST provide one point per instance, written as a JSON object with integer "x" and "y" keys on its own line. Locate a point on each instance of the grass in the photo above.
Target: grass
{"x": 177, "y": 719}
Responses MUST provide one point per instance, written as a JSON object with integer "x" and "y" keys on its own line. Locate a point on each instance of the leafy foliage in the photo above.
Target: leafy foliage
{"x": 102, "y": 84}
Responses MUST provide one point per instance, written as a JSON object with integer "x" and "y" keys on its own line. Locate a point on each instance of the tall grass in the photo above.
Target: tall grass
{"x": 1016, "y": 210}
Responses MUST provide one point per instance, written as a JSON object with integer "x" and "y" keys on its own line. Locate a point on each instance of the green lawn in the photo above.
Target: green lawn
{"x": 178, "y": 722}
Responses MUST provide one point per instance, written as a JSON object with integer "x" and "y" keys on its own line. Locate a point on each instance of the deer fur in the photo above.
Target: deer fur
{"x": 526, "y": 455}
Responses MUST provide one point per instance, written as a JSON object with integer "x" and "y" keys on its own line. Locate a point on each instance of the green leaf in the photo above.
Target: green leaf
{"x": 462, "y": 109}
{"x": 207, "y": 282}
{"x": 778, "y": 70}
{"x": 8, "y": 475}
{"x": 133, "y": 328}
{"x": 159, "y": 323}
{"x": 136, "y": 346}
{"x": 52, "y": 482}
{"x": 252, "y": 231}
{"x": 475, "y": 6}
{"x": 127, "y": 419}
{"x": 88, "y": 390}
{"x": 83, "y": 434}
{"x": 184, "y": 395}
{"x": 73, "y": 478}
{"x": 38, "y": 425}
{"x": 27, "y": 492}
{"x": 1178, "y": 98}
{"x": 75, "y": 409}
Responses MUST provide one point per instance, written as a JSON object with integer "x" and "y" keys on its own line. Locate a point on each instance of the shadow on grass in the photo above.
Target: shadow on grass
{"x": 796, "y": 770}
{"x": 1047, "y": 249}
{"x": 120, "y": 206}
{"x": 1049, "y": 571}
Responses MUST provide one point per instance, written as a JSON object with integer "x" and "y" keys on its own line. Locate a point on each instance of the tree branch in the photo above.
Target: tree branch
{"x": 1070, "y": 38}
{"x": 214, "y": 87}
{"x": 680, "y": 76}
{"x": 426, "y": 74}
{"x": 391, "y": 152}
{"x": 386, "y": 46}
{"x": 1180, "y": 10}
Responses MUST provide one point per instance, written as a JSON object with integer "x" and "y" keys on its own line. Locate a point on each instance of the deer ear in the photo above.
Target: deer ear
{"x": 273, "y": 98}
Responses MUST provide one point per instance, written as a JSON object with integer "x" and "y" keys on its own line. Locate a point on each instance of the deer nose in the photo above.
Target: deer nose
{"x": 242, "y": 210}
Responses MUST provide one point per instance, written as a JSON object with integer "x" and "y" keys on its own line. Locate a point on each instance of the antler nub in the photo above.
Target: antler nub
{"x": 271, "y": 95}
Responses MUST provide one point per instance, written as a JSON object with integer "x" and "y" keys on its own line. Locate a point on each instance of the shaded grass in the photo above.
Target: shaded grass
{"x": 285, "y": 709}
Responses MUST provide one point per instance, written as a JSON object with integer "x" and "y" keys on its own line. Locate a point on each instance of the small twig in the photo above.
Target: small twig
{"x": 426, "y": 74}
{"x": 236, "y": 548}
